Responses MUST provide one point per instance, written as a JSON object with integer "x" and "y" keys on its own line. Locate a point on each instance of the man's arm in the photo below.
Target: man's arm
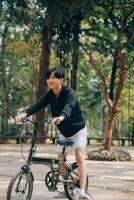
{"x": 39, "y": 105}
{"x": 70, "y": 103}
{"x": 43, "y": 102}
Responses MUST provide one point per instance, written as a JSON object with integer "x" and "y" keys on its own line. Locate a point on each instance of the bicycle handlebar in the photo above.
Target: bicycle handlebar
{"x": 25, "y": 120}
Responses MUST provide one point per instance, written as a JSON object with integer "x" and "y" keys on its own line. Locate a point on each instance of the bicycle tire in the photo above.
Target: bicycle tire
{"x": 71, "y": 188}
{"x": 20, "y": 186}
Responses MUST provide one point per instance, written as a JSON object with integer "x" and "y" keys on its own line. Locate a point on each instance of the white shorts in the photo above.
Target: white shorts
{"x": 80, "y": 139}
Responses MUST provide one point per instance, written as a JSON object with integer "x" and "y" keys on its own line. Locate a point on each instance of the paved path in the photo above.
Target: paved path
{"x": 108, "y": 180}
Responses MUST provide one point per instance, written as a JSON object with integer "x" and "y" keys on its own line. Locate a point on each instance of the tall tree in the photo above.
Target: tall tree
{"x": 43, "y": 66}
{"x": 116, "y": 19}
{"x": 10, "y": 15}
{"x": 75, "y": 54}
{"x": 3, "y": 80}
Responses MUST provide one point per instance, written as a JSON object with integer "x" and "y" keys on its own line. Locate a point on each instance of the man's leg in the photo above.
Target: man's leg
{"x": 80, "y": 158}
{"x": 62, "y": 170}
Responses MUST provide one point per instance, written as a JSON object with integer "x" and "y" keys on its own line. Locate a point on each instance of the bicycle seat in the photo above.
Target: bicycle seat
{"x": 65, "y": 142}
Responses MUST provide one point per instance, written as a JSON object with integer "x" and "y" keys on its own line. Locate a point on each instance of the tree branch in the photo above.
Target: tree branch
{"x": 130, "y": 64}
{"x": 103, "y": 79}
{"x": 127, "y": 16}
{"x": 122, "y": 77}
{"x": 110, "y": 14}
{"x": 101, "y": 38}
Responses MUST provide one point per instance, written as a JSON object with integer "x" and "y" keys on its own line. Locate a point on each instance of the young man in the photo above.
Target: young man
{"x": 66, "y": 115}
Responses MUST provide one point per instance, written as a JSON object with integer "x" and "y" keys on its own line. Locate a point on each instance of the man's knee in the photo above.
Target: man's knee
{"x": 80, "y": 155}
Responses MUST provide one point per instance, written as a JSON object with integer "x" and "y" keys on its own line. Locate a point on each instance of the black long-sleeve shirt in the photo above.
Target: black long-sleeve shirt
{"x": 65, "y": 104}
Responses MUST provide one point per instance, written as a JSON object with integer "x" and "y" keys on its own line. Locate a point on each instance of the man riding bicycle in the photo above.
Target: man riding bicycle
{"x": 66, "y": 115}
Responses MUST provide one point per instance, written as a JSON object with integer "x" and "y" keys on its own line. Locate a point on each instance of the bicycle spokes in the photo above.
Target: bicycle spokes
{"x": 20, "y": 187}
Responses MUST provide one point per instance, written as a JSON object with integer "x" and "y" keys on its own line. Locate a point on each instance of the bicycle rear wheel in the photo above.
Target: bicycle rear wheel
{"x": 20, "y": 187}
{"x": 72, "y": 184}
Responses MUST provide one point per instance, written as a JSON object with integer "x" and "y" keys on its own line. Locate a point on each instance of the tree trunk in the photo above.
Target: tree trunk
{"x": 113, "y": 77}
{"x": 112, "y": 110}
{"x": 43, "y": 67}
{"x": 75, "y": 56}
{"x": 5, "y": 117}
{"x": 5, "y": 114}
{"x": 133, "y": 129}
{"x": 108, "y": 129}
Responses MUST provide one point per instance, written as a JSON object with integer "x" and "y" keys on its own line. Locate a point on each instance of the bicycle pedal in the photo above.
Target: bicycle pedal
{"x": 52, "y": 189}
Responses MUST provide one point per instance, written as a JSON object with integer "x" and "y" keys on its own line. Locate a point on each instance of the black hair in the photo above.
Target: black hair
{"x": 58, "y": 73}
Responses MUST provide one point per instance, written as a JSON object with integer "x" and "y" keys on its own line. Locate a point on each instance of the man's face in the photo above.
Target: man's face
{"x": 54, "y": 82}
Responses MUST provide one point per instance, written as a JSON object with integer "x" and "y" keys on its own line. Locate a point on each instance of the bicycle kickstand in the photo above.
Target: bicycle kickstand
{"x": 90, "y": 195}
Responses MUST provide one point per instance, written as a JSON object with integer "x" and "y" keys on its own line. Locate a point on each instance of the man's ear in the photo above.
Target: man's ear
{"x": 62, "y": 80}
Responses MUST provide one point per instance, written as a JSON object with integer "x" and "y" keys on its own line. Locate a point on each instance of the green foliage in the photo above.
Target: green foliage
{"x": 90, "y": 95}
{"x": 12, "y": 130}
{"x": 97, "y": 33}
{"x": 15, "y": 12}
{"x": 18, "y": 80}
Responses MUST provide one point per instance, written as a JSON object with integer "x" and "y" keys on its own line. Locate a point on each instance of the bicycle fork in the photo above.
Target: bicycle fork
{"x": 26, "y": 170}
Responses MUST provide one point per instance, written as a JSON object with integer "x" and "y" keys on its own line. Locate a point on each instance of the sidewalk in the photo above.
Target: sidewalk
{"x": 107, "y": 180}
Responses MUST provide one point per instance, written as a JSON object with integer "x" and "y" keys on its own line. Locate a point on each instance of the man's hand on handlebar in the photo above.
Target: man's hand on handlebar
{"x": 18, "y": 118}
{"x": 57, "y": 120}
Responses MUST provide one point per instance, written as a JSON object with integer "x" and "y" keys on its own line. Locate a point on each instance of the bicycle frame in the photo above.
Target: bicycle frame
{"x": 51, "y": 161}
{"x": 63, "y": 165}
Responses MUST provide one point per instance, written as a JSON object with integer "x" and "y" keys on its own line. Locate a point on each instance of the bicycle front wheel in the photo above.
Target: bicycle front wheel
{"x": 20, "y": 187}
{"x": 72, "y": 184}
